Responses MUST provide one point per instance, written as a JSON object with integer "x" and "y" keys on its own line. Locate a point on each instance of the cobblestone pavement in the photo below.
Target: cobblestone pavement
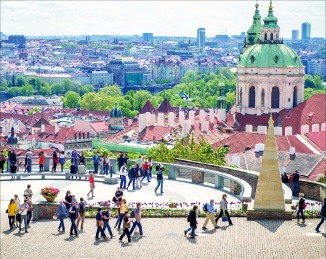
{"x": 165, "y": 239}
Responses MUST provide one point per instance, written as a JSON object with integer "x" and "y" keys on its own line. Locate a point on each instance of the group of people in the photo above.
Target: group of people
{"x": 21, "y": 212}
{"x": 295, "y": 180}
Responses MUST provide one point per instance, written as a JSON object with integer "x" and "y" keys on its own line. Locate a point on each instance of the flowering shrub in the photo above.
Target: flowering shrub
{"x": 50, "y": 191}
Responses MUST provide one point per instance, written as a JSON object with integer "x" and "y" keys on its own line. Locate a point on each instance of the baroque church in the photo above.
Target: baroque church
{"x": 270, "y": 75}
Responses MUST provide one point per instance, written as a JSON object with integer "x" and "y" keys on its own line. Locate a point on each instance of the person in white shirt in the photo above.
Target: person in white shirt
{"x": 123, "y": 179}
{"x": 23, "y": 214}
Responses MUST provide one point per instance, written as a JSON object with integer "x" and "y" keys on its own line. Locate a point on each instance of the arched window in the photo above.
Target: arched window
{"x": 295, "y": 101}
{"x": 252, "y": 97}
{"x": 275, "y": 97}
{"x": 271, "y": 36}
{"x": 277, "y": 36}
{"x": 265, "y": 36}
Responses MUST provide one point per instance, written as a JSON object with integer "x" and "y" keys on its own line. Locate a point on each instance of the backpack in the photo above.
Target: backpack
{"x": 205, "y": 207}
{"x": 132, "y": 214}
{"x": 304, "y": 205}
{"x": 81, "y": 207}
{"x": 189, "y": 217}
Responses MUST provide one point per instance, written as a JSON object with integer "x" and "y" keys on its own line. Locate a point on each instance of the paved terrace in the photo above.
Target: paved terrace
{"x": 164, "y": 239}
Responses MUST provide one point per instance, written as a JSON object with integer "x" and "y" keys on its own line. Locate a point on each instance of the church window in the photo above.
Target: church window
{"x": 275, "y": 97}
{"x": 252, "y": 58}
{"x": 252, "y": 97}
{"x": 295, "y": 101}
{"x": 271, "y": 36}
{"x": 265, "y": 36}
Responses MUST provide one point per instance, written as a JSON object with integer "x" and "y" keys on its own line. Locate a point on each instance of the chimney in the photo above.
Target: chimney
{"x": 42, "y": 128}
{"x": 56, "y": 128}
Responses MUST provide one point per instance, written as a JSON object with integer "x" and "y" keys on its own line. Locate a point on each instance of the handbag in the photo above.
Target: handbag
{"x": 67, "y": 214}
{"x": 101, "y": 223}
{"x": 224, "y": 218}
{"x": 6, "y": 210}
{"x": 114, "y": 199}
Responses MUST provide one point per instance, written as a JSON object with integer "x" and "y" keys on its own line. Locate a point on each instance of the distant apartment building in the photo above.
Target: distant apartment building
{"x": 315, "y": 67}
{"x": 53, "y": 78}
{"x": 80, "y": 78}
{"x": 148, "y": 37}
{"x": 306, "y": 31}
{"x": 164, "y": 70}
{"x": 100, "y": 78}
{"x": 201, "y": 39}
{"x": 295, "y": 34}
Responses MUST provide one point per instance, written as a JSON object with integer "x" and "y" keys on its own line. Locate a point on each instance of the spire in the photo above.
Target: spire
{"x": 253, "y": 34}
{"x": 270, "y": 21}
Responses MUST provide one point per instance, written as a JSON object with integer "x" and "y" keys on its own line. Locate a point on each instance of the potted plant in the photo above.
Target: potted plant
{"x": 172, "y": 204}
{"x": 50, "y": 193}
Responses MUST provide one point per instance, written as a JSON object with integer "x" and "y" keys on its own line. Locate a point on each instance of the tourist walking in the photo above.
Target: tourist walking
{"x": 224, "y": 210}
{"x": 82, "y": 165}
{"x": 13, "y": 169}
{"x": 123, "y": 173}
{"x": 68, "y": 200}
{"x": 81, "y": 209}
{"x": 55, "y": 161}
{"x": 106, "y": 218}
{"x": 28, "y": 193}
{"x": 62, "y": 160}
{"x": 11, "y": 213}
{"x": 150, "y": 163}
{"x": 2, "y": 160}
{"x": 99, "y": 224}
{"x": 41, "y": 159}
{"x": 73, "y": 216}
{"x": 123, "y": 210}
{"x": 285, "y": 178}
{"x": 75, "y": 157}
{"x": 132, "y": 177}
{"x": 29, "y": 160}
{"x": 295, "y": 183}
{"x": 210, "y": 212}
{"x": 139, "y": 176}
{"x": 96, "y": 161}
{"x": 23, "y": 215}
{"x": 17, "y": 202}
{"x": 159, "y": 180}
{"x": 126, "y": 226}
{"x": 12, "y": 158}
{"x": 29, "y": 211}
{"x": 26, "y": 164}
{"x": 106, "y": 164}
{"x": 117, "y": 198}
{"x": 301, "y": 206}
{"x": 120, "y": 161}
{"x": 137, "y": 222}
{"x": 146, "y": 172}
{"x": 91, "y": 185}
{"x": 322, "y": 215}
{"x": 192, "y": 219}
{"x": 61, "y": 214}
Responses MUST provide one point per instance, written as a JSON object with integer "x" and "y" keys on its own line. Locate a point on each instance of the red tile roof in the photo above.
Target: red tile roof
{"x": 318, "y": 138}
{"x": 319, "y": 169}
{"x": 98, "y": 126}
{"x": 155, "y": 133}
{"x": 148, "y": 107}
{"x": 165, "y": 106}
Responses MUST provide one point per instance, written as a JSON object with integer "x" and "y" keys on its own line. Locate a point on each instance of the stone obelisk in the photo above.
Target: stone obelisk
{"x": 269, "y": 200}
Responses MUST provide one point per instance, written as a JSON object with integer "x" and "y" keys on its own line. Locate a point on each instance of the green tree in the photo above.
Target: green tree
{"x": 71, "y": 100}
{"x": 309, "y": 82}
{"x": 34, "y": 110}
{"x": 35, "y": 82}
{"x": 67, "y": 85}
{"x": 45, "y": 89}
{"x": 20, "y": 81}
{"x": 140, "y": 99}
{"x": 318, "y": 82}
{"x": 111, "y": 90}
{"x": 57, "y": 89}
{"x": 84, "y": 89}
{"x": 15, "y": 91}
{"x": 27, "y": 90}
{"x": 230, "y": 100}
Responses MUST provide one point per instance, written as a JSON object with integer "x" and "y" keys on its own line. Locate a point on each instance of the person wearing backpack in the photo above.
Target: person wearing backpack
{"x": 301, "y": 206}
{"x": 210, "y": 215}
{"x": 81, "y": 210}
{"x": 322, "y": 215}
{"x": 224, "y": 210}
{"x": 126, "y": 226}
{"x": 132, "y": 174}
{"x": 61, "y": 213}
{"x": 192, "y": 219}
{"x": 137, "y": 215}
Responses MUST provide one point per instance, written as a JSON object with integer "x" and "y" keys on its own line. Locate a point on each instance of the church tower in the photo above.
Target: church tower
{"x": 253, "y": 34}
{"x": 270, "y": 75}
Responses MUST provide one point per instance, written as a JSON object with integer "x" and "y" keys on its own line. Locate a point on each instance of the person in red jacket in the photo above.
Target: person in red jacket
{"x": 146, "y": 171}
{"x": 91, "y": 185}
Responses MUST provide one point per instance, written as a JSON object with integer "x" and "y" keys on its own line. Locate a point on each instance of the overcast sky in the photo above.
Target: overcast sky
{"x": 170, "y": 18}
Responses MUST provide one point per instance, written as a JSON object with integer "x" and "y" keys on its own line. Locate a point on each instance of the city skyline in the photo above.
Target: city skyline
{"x": 171, "y": 18}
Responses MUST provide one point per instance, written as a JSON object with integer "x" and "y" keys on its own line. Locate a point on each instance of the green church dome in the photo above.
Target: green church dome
{"x": 116, "y": 112}
{"x": 269, "y": 55}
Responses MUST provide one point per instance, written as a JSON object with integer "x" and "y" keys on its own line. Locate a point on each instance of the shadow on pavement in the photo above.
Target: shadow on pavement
{"x": 192, "y": 240}
{"x": 272, "y": 226}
